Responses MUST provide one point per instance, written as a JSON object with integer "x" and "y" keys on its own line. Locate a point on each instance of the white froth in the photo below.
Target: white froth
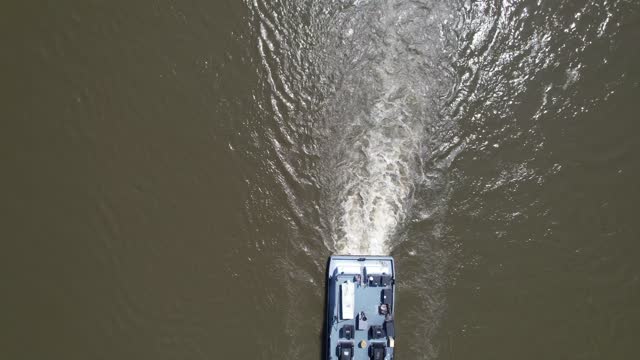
{"x": 380, "y": 111}
{"x": 374, "y": 202}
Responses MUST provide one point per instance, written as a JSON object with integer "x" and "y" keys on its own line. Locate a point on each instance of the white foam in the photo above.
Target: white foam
{"x": 377, "y": 190}
{"x": 388, "y": 80}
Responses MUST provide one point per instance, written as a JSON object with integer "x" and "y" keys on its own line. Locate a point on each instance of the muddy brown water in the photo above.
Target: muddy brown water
{"x": 175, "y": 175}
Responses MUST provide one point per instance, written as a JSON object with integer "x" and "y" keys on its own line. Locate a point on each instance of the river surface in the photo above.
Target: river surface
{"x": 176, "y": 173}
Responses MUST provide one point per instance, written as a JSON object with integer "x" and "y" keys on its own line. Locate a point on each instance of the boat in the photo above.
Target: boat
{"x": 360, "y": 308}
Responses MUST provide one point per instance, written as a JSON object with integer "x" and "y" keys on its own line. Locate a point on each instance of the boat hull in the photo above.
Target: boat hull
{"x": 360, "y": 308}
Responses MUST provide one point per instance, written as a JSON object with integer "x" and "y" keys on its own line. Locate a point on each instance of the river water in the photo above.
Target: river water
{"x": 177, "y": 173}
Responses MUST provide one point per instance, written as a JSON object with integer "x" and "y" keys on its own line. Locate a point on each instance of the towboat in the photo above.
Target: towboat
{"x": 360, "y": 308}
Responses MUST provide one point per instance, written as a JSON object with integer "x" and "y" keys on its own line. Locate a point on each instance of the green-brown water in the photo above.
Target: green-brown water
{"x": 176, "y": 174}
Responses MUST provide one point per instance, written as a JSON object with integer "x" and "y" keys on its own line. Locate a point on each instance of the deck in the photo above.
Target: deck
{"x": 368, "y": 299}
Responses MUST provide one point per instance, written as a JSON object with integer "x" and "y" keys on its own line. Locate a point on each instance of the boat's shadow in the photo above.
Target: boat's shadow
{"x": 323, "y": 334}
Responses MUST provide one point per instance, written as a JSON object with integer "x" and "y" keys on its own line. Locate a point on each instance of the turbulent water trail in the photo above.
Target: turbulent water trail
{"x": 355, "y": 88}
{"x": 378, "y": 177}
{"x": 385, "y": 98}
